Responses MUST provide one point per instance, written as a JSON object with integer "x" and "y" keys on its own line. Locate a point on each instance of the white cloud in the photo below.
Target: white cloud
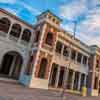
{"x": 68, "y": 27}
{"x": 30, "y": 9}
{"x": 8, "y": 1}
{"x": 88, "y": 30}
{"x": 12, "y": 11}
{"x": 94, "y": 3}
{"x": 73, "y": 9}
{"x": 92, "y": 23}
{"x": 20, "y": 3}
{"x": 90, "y": 27}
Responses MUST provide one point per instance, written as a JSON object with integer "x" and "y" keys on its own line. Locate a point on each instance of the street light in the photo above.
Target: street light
{"x": 70, "y": 46}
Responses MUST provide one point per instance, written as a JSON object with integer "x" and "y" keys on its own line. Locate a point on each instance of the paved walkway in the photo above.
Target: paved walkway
{"x": 10, "y": 91}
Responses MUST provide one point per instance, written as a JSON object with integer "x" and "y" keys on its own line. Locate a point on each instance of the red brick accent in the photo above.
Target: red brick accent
{"x": 52, "y": 30}
{"x": 48, "y": 57}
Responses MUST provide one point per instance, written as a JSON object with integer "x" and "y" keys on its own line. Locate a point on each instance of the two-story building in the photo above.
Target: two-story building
{"x": 46, "y": 56}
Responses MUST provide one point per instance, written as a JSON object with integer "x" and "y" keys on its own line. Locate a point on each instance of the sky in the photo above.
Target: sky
{"x": 85, "y": 12}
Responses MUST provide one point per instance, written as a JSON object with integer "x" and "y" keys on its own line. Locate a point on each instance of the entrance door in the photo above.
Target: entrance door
{"x": 11, "y": 65}
{"x": 53, "y": 76}
{"x": 60, "y": 83}
{"x": 6, "y": 64}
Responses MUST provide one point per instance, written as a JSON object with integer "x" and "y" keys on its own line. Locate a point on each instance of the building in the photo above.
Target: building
{"x": 46, "y": 56}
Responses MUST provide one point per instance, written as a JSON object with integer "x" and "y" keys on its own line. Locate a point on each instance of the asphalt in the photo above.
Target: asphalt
{"x": 12, "y": 91}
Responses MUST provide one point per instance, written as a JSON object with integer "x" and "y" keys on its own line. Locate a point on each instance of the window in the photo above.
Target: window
{"x": 79, "y": 57}
{"x": 84, "y": 60}
{"x": 16, "y": 30}
{"x": 49, "y": 38}
{"x": 42, "y": 70}
{"x": 37, "y": 36}
{"x": 58, "y": 47}
{"x": 4, "y": 24}
{"x": 53, "y": 19}
{"x": 97, "y": 64}
{"x": 66, "y": 51}
{"x": 96, "y": 83}
{"x": 73, "y": 54}
{"x": 26, "y": 35}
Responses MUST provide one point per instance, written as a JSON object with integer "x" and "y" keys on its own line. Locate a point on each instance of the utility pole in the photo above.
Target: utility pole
{"x": 70, "y": 46}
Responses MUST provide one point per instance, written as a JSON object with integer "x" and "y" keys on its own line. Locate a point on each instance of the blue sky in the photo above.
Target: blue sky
{"x": 85, "y": 12}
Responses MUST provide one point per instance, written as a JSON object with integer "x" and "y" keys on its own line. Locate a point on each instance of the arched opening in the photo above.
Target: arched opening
{"x": 4, "y": 24}
{"x": 26, "y": 35}
{"x": 11, "y": 65}
{"x": 43, "y": 66}
{"x": 16, "y": 30}
{"x": 49, "y": 38}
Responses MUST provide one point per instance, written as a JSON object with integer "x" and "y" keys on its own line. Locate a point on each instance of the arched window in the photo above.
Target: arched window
{"x": 4, "y": 24}
{"x": 49, "y": 38}
{"x": 42, "y": 69}
{"x": 26, "y": 35}
{"x": 16, "y": 30}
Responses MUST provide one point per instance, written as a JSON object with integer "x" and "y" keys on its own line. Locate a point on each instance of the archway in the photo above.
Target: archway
{"x": 11, "y": 65}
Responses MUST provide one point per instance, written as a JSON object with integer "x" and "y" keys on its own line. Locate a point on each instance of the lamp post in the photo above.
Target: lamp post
{"x": 70, "y": 46}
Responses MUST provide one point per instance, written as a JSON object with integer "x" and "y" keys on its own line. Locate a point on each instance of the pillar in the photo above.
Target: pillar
{"x": 69, "y": 53}
{"x": 65, "y": 77}
{"x": 87, "y": 61}
{"x": 85, "y": 78}
{"x": 76, "y": 56}
{"x": 57, "y": 77}
{"x": 9, "y": 30}
{"x": 79, "y": 81}
{"x": 12, "y": 66}
{"x": 73, "y": 78}
{"x": 21, "y": 33}
{"x": 82, "y": 60}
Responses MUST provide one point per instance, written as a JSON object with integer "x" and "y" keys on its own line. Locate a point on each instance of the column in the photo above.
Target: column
{"x": 76, "y": 56}
{"x": 98, "y": 82}
{"x": 57, "y": 77}
{"x": 66, "y": 77}
{"x": 85, "y": 78}
{"x": 79, "y": 81}
{"x": 87, "y": 61}
{"x": 62, "y": 50}
{"x": 9, "y": 30}
{"x": 82, "y": 60}
{"x": 73, "y": 78}
{"x": 12, "y": 66}
{"x": 21, "y": 33}
{"x": 69, "y": 53}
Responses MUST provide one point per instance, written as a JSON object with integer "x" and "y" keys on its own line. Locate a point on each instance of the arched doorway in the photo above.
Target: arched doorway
{"x": 11, "y": 65}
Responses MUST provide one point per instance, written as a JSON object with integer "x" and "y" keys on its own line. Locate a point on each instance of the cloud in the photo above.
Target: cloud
{"x": 73, "y": 9}
{"x": 88, "y": 29}
{"x": 8, "y": 1}
{"x": 13, "y": 11}
{"x": 92, "y": 23}
{"x": 20, "y": 4}
{"x": 94, "y": 3}
{"x": 29, "y": 8}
